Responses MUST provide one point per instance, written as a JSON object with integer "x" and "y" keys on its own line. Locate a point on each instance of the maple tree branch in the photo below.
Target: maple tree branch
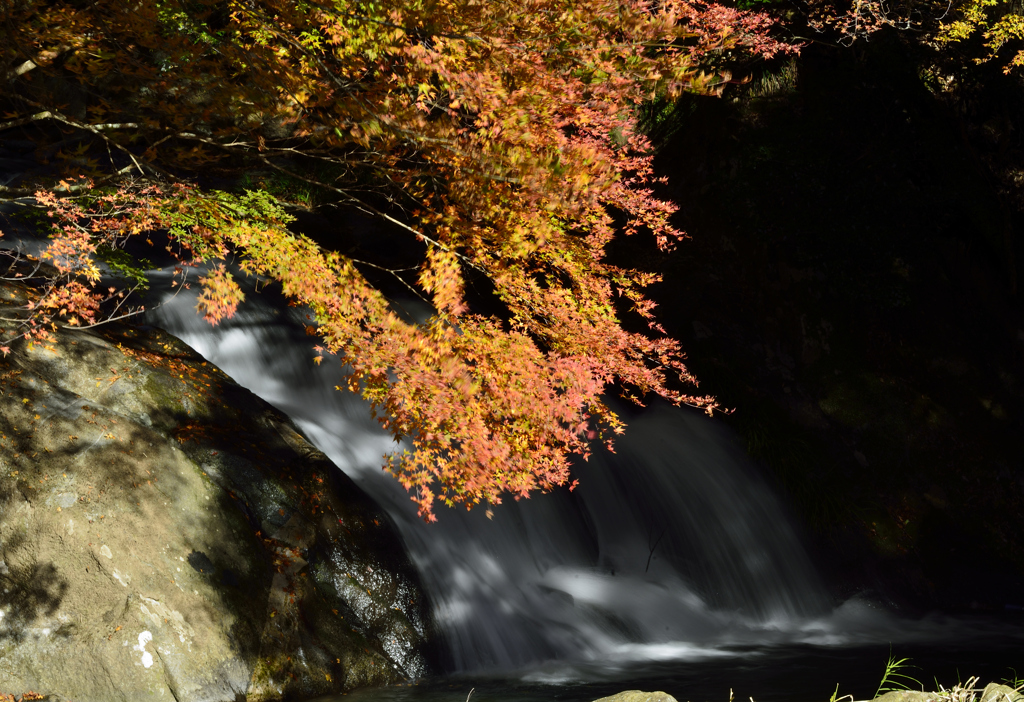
{"x": 73, "y": 327}
{"x": 501, "y": 144}
{"x": 117, "y": 125}
{"x": 16, "y": 193}
{"x": 46, "y": 114}
{"x": 161, "y": 141}
{"x": 98, "y": 131}
{"x": 107, "y": 320}
{"x": 411, "y": 137}
{"x": 395, "y": 273}
{"x": 370, "y": 209}
{"x": 16, "y": 258}
{"x": 302, "y": 49}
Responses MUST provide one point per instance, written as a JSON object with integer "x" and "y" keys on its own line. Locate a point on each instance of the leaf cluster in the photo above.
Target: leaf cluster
{"x": 500, "y": 136}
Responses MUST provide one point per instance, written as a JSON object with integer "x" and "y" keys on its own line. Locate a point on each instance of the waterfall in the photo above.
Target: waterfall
{"x": 672, "y": 546}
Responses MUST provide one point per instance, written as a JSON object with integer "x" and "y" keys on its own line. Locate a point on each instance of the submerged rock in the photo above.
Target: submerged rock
{"x": 165, "y": 534}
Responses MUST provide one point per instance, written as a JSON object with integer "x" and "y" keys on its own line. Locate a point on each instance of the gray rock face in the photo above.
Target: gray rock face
{"x": 166, "y": 535}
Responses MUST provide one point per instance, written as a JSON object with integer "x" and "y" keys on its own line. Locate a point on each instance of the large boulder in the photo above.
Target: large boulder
{"x": 165, "y": 534}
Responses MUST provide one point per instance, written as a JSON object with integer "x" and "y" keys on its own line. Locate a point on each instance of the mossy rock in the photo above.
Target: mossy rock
{"x": 162, "y": 530}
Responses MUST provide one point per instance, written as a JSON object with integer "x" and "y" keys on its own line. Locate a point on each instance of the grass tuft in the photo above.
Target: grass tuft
{"x": 893, "y": 680}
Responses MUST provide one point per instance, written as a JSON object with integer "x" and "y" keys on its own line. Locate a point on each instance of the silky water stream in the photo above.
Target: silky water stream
{"x": 673, "y": 565}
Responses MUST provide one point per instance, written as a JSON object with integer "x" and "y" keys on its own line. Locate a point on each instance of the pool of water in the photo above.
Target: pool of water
{"x": 798, "y": 673}
{"x": 673, "y": 567}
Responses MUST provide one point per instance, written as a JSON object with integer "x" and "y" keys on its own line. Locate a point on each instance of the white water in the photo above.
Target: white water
{"x": 672, "y": 548}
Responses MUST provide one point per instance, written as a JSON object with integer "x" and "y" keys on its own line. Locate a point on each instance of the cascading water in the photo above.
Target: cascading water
{"x": 671, "y": 567}
{"x": 672, "y": 547}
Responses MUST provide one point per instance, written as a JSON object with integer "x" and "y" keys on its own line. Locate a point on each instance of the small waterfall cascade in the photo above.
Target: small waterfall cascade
{"x": 673, "y": 544}
{"x": 672, "y": 548}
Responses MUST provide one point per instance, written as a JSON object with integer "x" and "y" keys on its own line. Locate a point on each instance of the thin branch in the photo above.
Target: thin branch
{"x": 195, "y": 137}
{"x": 108, "y": 320}
{"x": 370, "y": 209}
{"x": 46, "y": 114}
{"x": 650, "y": 554}
{"x": 394, "y": 272}
{"x": 18, "y": 256}
{"x": 117, "y": 125}
{"x": 69, "y": 190}
{"x": 98, "y": 131}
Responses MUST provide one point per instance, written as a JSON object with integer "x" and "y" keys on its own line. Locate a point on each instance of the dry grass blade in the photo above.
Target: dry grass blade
{"x": 961, "y": 692}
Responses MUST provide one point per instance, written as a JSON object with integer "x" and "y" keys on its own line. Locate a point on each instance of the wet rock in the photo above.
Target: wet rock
{"x": 638, "y": 696}
{"x": 165, "y": 533}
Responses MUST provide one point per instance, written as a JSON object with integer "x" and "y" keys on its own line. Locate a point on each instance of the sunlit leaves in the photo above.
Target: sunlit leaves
{"x": 442, "y": 278}
{"x": 500, "y": 135}
{"x": 996, "y": 20}
{"x": 220, "y": 295}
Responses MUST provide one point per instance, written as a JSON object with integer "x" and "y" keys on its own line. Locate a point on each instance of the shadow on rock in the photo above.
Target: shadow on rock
{"x": 31, "y": 593}
{"x": 164, "y": 530}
